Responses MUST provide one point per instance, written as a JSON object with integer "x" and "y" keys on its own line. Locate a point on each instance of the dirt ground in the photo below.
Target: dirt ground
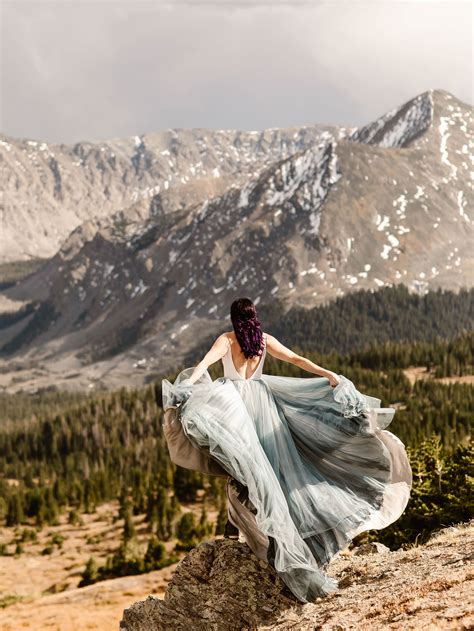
{"x": 425, "y": 587}
{"x": 96, "y": 607}
{"x": 39, "y": 591}
{"x": 414, "y": 373}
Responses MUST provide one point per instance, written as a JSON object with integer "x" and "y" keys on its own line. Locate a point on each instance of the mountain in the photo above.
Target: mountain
{"x": 48, "y": 190}
{"x": 128, "y": 294}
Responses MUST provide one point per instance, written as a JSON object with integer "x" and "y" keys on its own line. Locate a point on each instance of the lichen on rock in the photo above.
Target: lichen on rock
{"x": 219, "y": 585}
{"x": 222, "y": 586}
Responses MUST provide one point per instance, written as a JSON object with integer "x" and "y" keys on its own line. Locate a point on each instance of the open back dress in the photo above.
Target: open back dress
{"x": 315, "y": 463}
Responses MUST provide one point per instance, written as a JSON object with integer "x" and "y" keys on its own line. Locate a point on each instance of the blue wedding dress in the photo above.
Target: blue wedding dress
{"x": 317, "y": 463}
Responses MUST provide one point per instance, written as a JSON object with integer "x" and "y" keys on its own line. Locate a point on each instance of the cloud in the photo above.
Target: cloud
{"x": 97, "y": 70}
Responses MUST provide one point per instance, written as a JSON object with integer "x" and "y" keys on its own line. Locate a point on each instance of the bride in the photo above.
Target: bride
{"x": 309, "y": 462}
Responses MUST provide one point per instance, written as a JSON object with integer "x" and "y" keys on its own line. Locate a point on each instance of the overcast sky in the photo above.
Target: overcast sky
{"x": 93, "y": 70}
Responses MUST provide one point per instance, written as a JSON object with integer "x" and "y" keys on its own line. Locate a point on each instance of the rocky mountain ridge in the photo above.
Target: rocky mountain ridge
{"x": 127, "y": 295}
{"x": 222, "y": 585}
{"x": 48, "y": 190}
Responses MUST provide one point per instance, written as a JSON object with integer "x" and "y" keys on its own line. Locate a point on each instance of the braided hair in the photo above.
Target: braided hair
{"x": 247, "y": 328}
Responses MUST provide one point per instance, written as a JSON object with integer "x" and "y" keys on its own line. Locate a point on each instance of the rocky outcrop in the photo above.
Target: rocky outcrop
{"x": 221, "y": 585}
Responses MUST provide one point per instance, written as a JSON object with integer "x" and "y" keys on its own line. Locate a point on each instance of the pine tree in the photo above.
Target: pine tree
{"x": 221, "y": 518}
{"x": 15, "y": 513}
{"x": 186, "y": 532}
{"x": 90, "y": 573}
{"x": 203, "y": 528}
{"x": 155, "y": 554}
{"x": 128, "y": 527}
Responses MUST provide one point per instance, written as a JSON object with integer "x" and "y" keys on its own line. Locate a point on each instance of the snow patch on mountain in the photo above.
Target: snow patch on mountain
{"x": 311, "y": 176}
{"x": 400, "y": 126}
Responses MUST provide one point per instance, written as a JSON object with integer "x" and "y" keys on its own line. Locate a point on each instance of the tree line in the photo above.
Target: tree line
{"x": 69, "y": 452}
{"x": 91, "y": 450}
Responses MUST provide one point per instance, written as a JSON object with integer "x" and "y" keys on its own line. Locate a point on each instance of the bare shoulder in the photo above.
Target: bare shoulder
{"x": 279, "y": 350}
{"x": 227, "y": 337}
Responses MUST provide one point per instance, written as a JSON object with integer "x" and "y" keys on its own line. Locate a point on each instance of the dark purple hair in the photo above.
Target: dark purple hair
{"x": 248, "y": 330}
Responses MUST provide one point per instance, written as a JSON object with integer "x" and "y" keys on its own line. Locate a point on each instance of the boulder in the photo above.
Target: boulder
{"x": 219, "y": 585}
{"x": 374, "y": 547}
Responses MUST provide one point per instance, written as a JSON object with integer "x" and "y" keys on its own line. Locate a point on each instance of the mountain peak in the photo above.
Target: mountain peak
{"x": 406, "y": 124}
{"x": 170, "y": 234}
{"x": 439, "y": 93}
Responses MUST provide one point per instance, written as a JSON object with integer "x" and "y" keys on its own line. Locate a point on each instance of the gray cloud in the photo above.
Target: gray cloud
{"x": 96, "y": 70}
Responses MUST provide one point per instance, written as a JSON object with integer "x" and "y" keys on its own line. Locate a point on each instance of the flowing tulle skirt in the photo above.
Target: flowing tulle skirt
{"x": 317, "y": 462}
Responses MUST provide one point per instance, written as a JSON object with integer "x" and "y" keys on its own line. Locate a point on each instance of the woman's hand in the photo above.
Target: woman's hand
{"x": 333, "y": 378}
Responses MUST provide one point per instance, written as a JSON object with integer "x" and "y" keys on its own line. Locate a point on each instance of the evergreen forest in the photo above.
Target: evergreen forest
{"x": 65, "y": 454}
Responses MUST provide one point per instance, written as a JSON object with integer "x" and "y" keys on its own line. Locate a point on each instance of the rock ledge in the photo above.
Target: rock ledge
{"x": 221, "y": 585}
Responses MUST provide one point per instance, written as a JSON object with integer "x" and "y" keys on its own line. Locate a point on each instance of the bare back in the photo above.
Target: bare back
{"x": 238, "y": 366}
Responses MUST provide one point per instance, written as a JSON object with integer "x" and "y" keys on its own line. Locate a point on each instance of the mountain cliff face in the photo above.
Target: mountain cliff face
{"x": 307, "y": 220}
{"x": 48, "y": 190}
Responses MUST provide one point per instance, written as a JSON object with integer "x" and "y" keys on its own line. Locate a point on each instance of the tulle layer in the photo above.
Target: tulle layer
{"x": 317, "y": 462}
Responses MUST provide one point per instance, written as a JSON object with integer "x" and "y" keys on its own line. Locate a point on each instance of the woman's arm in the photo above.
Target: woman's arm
{"x": 278, "y": 350}
{"x": 216, "y": 352}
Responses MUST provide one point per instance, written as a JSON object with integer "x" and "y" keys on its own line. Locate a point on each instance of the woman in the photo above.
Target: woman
{"x": 312, "y": 463}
